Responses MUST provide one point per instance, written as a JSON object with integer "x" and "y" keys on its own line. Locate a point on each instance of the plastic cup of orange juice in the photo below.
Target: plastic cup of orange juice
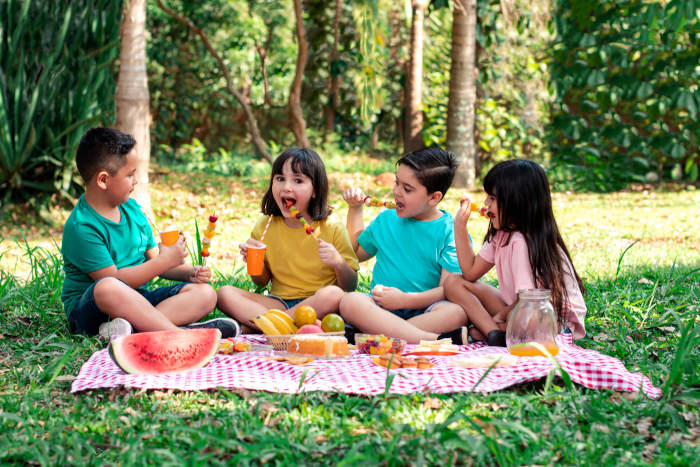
{"x": 256, "y": 257}
{"x": 169, "y": 236}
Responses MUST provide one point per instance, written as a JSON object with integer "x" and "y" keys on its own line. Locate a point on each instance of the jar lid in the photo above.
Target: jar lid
{"x": 534, "y": 294}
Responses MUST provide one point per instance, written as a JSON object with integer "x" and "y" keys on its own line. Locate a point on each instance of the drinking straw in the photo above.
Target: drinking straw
{"x": 262, "y": 237}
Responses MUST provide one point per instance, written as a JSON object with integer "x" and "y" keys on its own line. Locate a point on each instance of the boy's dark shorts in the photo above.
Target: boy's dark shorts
{"x": 288, "y": 303}
{"x": 408, "y": 313}
{"x": 86, "y": 316}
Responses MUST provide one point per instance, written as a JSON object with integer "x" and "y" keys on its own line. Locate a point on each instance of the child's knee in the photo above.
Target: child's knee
{"x": 108, "y": 289}
{"x": 331, "y": 294}
{"x": 205, "y": 294}
{"x": 351, "y": 301}
{"x": 452, "y": 281}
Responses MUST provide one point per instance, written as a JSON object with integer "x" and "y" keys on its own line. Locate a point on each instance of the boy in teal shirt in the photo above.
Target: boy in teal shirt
{"x": 415, "y": 249}
{"x": 109, "y": 254}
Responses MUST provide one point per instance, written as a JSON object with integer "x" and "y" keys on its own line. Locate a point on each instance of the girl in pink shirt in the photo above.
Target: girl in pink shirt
{"x": 524, "y": 244}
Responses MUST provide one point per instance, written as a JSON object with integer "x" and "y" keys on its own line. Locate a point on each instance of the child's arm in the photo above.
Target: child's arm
{"x": 355, "y": 224}
{"x": 187, "y": 273}
{"x": 157, "y": 263}
{"x": 473, "y": 266}
{"x": 345, "y": 275}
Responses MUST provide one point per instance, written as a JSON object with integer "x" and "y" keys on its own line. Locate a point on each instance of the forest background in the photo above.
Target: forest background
{"x": 604, "y": 93}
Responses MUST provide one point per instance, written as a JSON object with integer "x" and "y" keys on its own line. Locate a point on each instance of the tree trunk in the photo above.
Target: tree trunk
{"x": 296, "y": 116}
{"x": 461, "y": 113}
{"x": 413, "y": 136}
{"x": 258, "y": 141}
{"x": 132, "y": 101}
{"x": 333, "y": 77}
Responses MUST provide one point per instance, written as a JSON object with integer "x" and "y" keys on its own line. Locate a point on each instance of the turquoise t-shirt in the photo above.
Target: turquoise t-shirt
{"x": 92, "y": 242}
{"x": 410, "y": 253}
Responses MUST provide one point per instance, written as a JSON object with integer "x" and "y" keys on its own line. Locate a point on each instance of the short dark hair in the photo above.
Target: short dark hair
{"x": 102, "y": 149}
{"x": 309, "y": 163}
{"x": 434, "y": 167}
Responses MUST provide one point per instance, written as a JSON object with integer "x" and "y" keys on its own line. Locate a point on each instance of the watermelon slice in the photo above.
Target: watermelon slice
{"x": 165, "y": 351}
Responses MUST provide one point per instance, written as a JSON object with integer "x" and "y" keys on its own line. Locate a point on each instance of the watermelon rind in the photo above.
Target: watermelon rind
{"x": 159, "y": 352}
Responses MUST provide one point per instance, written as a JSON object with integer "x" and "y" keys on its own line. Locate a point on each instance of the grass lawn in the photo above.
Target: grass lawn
{"x": 638, "y": 253}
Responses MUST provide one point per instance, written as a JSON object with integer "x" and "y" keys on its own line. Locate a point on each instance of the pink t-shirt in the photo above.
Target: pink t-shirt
{"x": 515, "y": 274}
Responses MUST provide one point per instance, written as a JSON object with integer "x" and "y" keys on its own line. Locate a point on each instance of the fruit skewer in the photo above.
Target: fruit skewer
{"x": 369, "y": 201}
{"x": 482, "y": 210}
{"x": 208, "y": 234}
{"x": 295, "y": 212}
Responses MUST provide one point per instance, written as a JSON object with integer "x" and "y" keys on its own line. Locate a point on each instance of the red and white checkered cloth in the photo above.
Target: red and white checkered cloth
{"x": 358, "y": 375}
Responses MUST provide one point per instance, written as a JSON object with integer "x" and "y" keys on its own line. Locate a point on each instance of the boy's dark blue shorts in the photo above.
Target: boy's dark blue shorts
{"x": 408, "y": 313}
{"x": 86, "y": 316}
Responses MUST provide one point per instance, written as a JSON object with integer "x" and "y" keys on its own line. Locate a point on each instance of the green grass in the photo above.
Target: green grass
{"x": 643, "y": 309}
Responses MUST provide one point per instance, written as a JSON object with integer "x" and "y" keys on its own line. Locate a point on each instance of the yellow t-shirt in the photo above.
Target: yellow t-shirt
{"x": 292, "y": 256}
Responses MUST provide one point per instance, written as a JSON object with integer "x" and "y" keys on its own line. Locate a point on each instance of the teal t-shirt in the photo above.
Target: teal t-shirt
{"x": 92, "y": 242}
{"x": 410, "y": 253}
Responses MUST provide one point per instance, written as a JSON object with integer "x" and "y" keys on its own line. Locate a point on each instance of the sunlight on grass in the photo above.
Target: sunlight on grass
{"x": 642, "y": 308}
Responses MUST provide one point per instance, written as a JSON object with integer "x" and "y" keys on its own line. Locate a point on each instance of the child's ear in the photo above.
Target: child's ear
{"x": 101, "y": 179}
{"x": 435, "y": 197}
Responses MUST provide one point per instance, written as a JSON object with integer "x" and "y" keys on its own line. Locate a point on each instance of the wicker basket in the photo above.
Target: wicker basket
{"x": 281, "y": 341}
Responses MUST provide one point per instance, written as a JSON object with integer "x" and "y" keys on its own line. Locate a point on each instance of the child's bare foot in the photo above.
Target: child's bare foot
{"x": 476, "y": 335}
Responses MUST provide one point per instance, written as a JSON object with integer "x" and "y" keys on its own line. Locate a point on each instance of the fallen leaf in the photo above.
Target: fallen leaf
{"x": 66, "y": 378}
{"x": 600, "y": 337}
{"x": 432, "y": 403}
{"x": 320, "y": 438}
{"x": 601, "y": 428}
{"x": 644, "y": 280}
{"x": 643, "y": 426}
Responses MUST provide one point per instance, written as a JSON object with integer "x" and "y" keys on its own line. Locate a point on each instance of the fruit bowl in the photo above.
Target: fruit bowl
{"x": 379, "y": 344}
{"x": 281, "y": 341}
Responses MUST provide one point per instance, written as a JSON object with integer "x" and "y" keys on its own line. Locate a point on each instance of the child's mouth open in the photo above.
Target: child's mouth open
{"x": 288, "y": 203}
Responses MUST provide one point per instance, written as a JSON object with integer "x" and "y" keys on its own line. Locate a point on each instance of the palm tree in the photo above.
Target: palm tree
{"x": 461, "y": 104}
{"x": 413, "y": 138}
{"x": 132, "y": 101}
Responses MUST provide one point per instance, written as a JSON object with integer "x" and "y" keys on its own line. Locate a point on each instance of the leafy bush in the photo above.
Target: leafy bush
{"x": 56, "y": 80}
{"x": 626, "y": 76}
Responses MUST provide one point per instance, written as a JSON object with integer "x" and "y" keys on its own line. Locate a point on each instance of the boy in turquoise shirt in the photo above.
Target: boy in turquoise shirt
{"x": 415, "y": 249}
{"x": 109, "y": 254}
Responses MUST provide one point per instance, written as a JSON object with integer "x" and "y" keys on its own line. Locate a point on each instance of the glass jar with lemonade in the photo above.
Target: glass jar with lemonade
{"x": 532, "y": 320}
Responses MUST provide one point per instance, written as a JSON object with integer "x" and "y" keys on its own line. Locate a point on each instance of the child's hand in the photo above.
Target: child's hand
{"x": 199, "y": 275}
{"x": 389, "y": 298}
{"x": 354, "y": 197}
{"x": 328, "y": 254}
{"x": 244, "y": 247}
{"x": 175, "y": 254}
{"x": 463, "y": 212}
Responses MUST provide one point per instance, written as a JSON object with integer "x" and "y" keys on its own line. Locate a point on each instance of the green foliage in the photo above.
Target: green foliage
{"x": 626, "y": 77}
{"x": 56, "y": 80}
{"x": 512, "y": 101}
{"x": 188, "y": 90}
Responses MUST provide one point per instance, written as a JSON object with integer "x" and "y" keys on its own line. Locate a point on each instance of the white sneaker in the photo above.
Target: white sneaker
{"x": 115, "y": 328}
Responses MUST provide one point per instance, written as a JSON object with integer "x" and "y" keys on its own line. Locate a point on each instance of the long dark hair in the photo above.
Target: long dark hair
{"x": 310, "y": 164}
{"x": 525, "y": 205}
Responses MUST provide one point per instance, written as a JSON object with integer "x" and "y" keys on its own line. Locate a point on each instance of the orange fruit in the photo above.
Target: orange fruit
{"x": 332, "y": 323}
{"x": 304, "y": 315}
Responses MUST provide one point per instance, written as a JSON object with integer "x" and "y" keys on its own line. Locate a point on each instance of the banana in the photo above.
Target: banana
{"x": 279, "y": 323}
{"x": 265, "y": 325}
{"x": 284, "y": 316}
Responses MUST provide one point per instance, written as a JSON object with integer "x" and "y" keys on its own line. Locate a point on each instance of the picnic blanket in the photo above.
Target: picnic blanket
{"x": 358, "y": 375}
